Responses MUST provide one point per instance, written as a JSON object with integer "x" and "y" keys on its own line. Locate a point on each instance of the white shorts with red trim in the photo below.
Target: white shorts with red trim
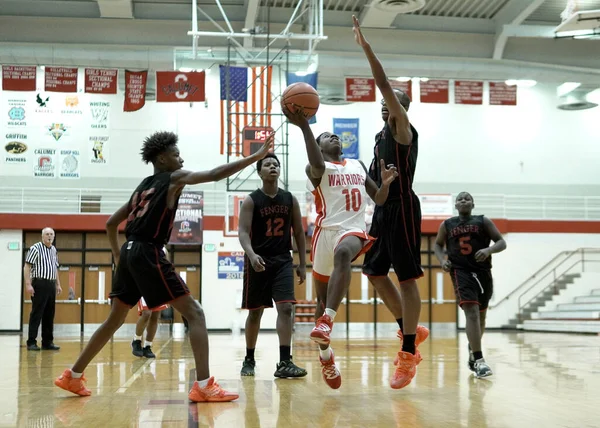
{"x": 143, "y": 307}
{"x": 324, "y": 244}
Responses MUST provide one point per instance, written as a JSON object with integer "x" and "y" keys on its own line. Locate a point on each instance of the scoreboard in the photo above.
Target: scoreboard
{"x": 253, "y": 138}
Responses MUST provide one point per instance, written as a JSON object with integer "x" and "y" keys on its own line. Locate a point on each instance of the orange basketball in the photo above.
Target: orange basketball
{"x": 303, "y": 95}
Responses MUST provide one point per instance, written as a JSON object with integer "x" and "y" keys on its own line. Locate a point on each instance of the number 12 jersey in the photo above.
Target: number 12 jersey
{"x": 341, "y": 196}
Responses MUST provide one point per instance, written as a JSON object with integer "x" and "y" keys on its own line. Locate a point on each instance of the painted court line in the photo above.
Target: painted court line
{"x": 140, "y": 371}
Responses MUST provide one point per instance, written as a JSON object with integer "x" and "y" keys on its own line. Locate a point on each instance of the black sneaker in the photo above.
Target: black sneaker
{"x": 482, "y": 369}
{"x": 248, "y": 367}
{"x": 471, "y": 360}
{"x": 148, "y": 352}
{"x": 136, "y": 347}
{"x": 33, "y": 347}
{"x": 289, "y": 369}
{"x": 50, "y": 347}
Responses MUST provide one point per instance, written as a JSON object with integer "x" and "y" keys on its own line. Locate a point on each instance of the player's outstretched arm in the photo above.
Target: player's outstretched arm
{"x": 300, "y": 240}
{"x": 244, "y": 228}
{"x": 315, "y": 157}
{"x": 182, "y": 178}
{"x": 496, "y": 236}
{"x": 112, "y": 230}
{"x": 398, "y": 119}
{"x": 438, "y": 248}
{"x": 388, "y": 175}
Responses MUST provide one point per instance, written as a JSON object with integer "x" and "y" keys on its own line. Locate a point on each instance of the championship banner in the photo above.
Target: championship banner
{"x": 61, "y": 79}
{"x": 468, "y": 92}
{"x": 347, "y": 130}
{"x": 405, "y": 87}
{"x": 177, "y": 87}
{"x": 18, "y": 78}
{"x": 360, "y": 89}
{"x": 434, "y": 91}
{"x": 187, "y": 226}
{"x": 135, "y": 90}
{"x": 502, "y": 95}
{"x": 101, "y": 81}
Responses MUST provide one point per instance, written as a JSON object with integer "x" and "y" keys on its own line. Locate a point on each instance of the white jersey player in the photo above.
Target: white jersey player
{"x": 340, "y": 187}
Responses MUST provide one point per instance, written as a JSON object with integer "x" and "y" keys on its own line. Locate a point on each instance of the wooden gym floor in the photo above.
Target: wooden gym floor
{"x": 541, "y": 380}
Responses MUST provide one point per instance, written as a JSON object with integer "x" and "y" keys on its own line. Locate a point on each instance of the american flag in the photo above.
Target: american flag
{"x": 243, "y": 98}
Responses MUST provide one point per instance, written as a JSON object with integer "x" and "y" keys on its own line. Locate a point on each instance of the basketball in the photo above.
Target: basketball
{"x": 303, "y": 95}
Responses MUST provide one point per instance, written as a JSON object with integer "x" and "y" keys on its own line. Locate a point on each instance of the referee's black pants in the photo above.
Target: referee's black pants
{"x": 43, "y": 304}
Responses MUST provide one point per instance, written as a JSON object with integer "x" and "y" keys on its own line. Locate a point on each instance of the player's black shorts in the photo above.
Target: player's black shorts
{"x": 275, "y": 283}
{"x": 397, "y": 227}
{"x": 473, "y": 287}
{"x": 144, "y": 270}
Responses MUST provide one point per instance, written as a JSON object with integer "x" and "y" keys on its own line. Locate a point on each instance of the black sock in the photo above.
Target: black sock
{"x": 408, "y": 343}
{"x": 399, "y": 321}
{"x": 478, "y": 355}
{"x": 250, "y": 353}
{"x": 284, "y": 353}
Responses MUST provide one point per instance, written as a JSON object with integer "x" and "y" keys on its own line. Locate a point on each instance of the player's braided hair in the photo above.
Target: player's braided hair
{"x": 156, "y": 144}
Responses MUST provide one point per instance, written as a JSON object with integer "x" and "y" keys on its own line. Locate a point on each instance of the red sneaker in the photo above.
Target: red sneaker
{"x": 422, "y": 335}
{"x": 331, "y": 374}
{"x": 67, "y": 382}
{"x": 406, "y": 369}
{"x": 320, "y": 334}
{"x": 211, "y": 392}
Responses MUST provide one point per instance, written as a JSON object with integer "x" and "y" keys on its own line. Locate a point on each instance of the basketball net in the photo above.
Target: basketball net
{"x": 571, "y": 8}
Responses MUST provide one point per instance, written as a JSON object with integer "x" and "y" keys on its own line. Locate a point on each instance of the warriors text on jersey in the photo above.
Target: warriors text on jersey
{"x": 270, "y": 233}
{"x": 341, "y": 196}
{"x": 150, "y": 218}
{"x": 464, "y": 237}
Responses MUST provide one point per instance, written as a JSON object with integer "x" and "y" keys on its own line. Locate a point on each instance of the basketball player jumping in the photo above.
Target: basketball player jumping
{"x": 142, "y": 268}
{"x": 266, "y": 219}
{"x": 396, "y": 224}
{"x": 340, "y": 187}
{"x": 467, "y": 239}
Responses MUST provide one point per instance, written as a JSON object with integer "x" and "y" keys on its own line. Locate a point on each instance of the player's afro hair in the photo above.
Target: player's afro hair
{"x": 157, "y": 143}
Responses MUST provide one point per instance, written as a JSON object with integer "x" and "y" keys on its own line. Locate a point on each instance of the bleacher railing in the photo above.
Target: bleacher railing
{"x": 106, "y": 201}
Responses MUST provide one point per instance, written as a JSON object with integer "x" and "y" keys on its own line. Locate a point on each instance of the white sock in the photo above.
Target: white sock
{"x": 331, "y": 313}
{"x": 75, "y": 375}
{"x": 325, "y": 353}
{"x": 137, "y": 337}
{"x": 146, "y": 343}
{"x": 203, "y": 383}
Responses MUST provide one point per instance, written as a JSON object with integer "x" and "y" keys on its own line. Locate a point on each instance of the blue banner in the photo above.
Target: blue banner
{"x": 311, "y": 79}
{"x": 347, "y": 130}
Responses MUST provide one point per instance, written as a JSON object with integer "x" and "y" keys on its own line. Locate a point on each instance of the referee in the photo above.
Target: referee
{"x": 41, "y": 281}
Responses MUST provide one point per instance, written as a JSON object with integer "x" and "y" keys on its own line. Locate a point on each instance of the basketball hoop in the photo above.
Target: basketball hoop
{"x": 571, "y": 8}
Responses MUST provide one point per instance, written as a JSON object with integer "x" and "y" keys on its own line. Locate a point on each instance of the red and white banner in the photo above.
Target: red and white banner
{"x": 405, "y": 87}
{"x": 502, "y": 95}
{"x": 177, "y": 86}
{"x": 18, "y": 78}
{"x": 101, "y": 81}
{"x": 434, "y": 91}
{"x": 61, "y": 79}
{"x": 135, "y": 90}
{"x": 468, "y": 92}
{"x": 359, "y": 89}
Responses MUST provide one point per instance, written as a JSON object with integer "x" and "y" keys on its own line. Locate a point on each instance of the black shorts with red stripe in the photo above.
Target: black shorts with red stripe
{"x": 397, "y": 227}
{"x": 275, "y": 283}
{"x": 473, "y": 287}
{"x": 144, "y": 270}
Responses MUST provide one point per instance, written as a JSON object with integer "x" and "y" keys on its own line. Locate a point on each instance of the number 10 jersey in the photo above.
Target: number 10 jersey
{"x": 340, "y": 199}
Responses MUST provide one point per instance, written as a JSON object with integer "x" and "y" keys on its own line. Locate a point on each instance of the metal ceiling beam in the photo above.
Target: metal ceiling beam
{"x": 250, "y": 21}
{"x": 116, "y": 8}
{"x": 514, "y": 13}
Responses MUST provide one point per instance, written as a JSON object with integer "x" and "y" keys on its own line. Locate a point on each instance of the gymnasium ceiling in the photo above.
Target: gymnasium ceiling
{"x": 485, "y": 39}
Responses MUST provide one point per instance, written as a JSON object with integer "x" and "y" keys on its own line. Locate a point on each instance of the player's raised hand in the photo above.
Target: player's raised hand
{"x": 358, "y": 36}
{"x": 297, "y": 118}
{"x": 266, "y": 148}
{"x": 388, "y": 174}
{"x": 301, "y": 272}
{"x": 258, "y": 264}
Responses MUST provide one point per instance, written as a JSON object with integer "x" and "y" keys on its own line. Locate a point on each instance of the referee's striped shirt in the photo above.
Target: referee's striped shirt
{"x": 43, "y": 261}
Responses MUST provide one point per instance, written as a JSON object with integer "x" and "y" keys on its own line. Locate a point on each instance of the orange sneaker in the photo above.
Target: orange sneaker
{"x": 211, "y": 392}
{"x": 406, "y": 369}
{"x": 331, "y": 374}
{"x": 75, "y": 385}
{"x": 320, "y": 334}
{"x": 422, "y": 335}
